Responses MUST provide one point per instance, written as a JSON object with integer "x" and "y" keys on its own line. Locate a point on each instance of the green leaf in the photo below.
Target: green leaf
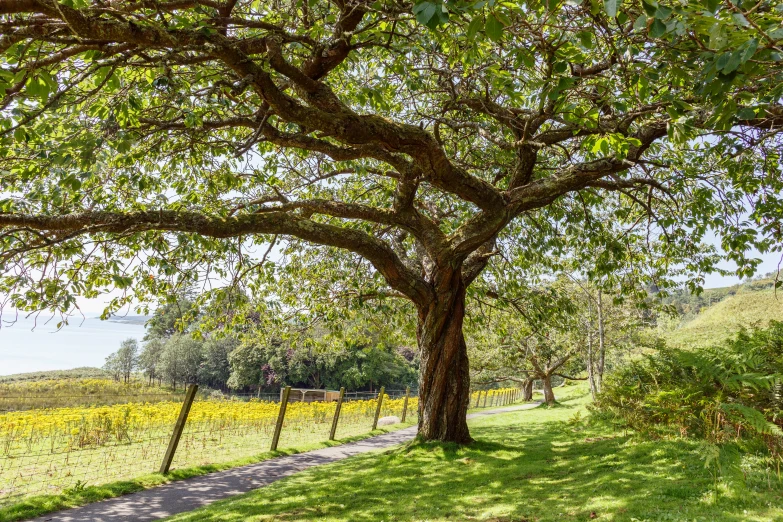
{"x": 663, "y": 12}
{"x": 722, "y": 60}
{"x": 735, "y": 59}
{"x": 740, "y": 20}
{"x": 503, "y": 18}
{"x": 650, "y": 7}
{"x": 424, "y": 12}
{"x": 494, "y": 27}
{"x": 475, "y": 26}
{"x": 37, "y": 87}
{"x": 750, "y": 50}
{"x": 611, "y": 7}
{"x": 586, "y": 39}
{"x": 657, "y": 29}
{"x": 640, "y": 23}
{"x": 711, "y": 5}
{"x": 746, "y": 114}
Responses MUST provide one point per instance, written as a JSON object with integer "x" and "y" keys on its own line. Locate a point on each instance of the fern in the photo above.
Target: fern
{"x": 753, "y": 419}
{"x": 723, "y": 393}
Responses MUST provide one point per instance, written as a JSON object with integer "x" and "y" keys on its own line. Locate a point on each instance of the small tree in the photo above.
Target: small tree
{"x": 150, "y": 359}
{"x": 112, "y": 365}
{"x": 128, "y": 358}
{"x": 215, "y": 368}
{"x": 181, "y": 359}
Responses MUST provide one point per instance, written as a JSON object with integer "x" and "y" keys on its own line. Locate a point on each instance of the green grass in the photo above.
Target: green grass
{"x": 722, "y": 320}
{"x": 38, "y": 505}
{"x": 544, "y": 464}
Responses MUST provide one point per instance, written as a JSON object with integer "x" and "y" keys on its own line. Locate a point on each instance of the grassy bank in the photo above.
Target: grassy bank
{"x": 545, "y": 464}
{"x": 725, "y": 318}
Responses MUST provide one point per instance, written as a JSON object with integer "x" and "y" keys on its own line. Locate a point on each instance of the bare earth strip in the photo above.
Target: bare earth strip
{"x": 190, "y": 494}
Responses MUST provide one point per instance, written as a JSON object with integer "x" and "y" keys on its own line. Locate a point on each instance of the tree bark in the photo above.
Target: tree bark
{"x": 549, "y": 394}
{"x": 599, "y": 374}
{"x": 527, "y": 390}
{"x": 590, "y": 352}
{"x": 444, "y": 380}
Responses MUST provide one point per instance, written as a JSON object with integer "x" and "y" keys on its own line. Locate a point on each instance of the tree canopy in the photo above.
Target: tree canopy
{"x": 147, "y": 145}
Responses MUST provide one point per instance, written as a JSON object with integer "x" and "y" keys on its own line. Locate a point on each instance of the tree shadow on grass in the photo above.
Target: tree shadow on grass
{"x": 512, "y": 472}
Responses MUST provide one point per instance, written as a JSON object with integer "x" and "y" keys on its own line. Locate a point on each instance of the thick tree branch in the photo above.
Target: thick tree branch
{"x": 399, "y": 277}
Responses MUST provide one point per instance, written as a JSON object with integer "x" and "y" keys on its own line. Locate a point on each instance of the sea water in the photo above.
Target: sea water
{"x": 35, "y": 344}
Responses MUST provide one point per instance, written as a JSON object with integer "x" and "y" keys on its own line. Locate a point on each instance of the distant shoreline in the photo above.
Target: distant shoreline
{"x": 130, "y": 319}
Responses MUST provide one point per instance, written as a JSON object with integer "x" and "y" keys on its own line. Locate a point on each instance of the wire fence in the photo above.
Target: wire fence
{"x": 48, "y": 450}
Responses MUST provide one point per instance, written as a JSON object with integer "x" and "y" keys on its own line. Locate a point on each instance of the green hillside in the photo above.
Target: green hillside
{"x": 749, "y": 305}
{"x": 85, "y": 372}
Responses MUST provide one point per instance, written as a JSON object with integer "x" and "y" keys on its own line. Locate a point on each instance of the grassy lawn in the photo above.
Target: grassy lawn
{"x": 537, "y": 465}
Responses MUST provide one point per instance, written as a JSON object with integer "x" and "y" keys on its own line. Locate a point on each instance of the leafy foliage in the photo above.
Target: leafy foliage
{"x": 720, "y": 394}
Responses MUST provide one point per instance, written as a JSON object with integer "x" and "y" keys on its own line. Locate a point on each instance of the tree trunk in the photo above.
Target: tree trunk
{"x": 549, "y": 394}
{"x": 599, "y": 374}
{"x": 444, "y": 382}
{"x": 590, "y": 361}
{"x": 527, "y": 390}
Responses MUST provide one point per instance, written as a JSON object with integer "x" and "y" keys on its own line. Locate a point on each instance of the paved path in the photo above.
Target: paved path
{"x": 189, "y": 494}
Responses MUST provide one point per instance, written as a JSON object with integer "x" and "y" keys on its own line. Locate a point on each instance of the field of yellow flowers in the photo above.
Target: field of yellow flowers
{"x": 48, "y": 450}
{"x": 52, "y": 449}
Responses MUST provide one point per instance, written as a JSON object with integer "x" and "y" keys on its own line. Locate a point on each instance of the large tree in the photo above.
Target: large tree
{"x": 147, "y": 142}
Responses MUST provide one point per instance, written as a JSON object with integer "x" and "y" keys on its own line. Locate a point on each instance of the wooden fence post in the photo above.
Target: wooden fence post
{"x": 478, "y": 399}
{"x": 486, "y": 394}
{"x": 280, "y": 417}
{"x": 378, "y": 409}
{"x": 190, "y": 394}
{"x": 337, "y": 414}
{"x": 405, "y": 404}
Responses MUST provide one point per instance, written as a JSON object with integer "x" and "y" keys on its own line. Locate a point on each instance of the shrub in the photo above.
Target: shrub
{"x": 726, "y": 393}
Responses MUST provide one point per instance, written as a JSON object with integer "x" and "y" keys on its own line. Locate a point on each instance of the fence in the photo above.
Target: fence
{"x": 48, "y": 450}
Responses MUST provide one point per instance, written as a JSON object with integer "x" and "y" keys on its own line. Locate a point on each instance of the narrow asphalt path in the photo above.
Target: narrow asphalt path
{"x": 189, "y": 494}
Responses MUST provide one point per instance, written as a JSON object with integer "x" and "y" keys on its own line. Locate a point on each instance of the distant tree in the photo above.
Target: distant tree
{"x": 359, "y": 355}
{"x": 124, "y": 361}
{"x": 128, "y": 357}
{"x": 215, "y": 368}
{"x": 250, "y": 368}
{"x": 150, "y": 359}
{"x": 181, "y": 359}
{"x": 112, "y": 365}
{"x": 172, "y": 317}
